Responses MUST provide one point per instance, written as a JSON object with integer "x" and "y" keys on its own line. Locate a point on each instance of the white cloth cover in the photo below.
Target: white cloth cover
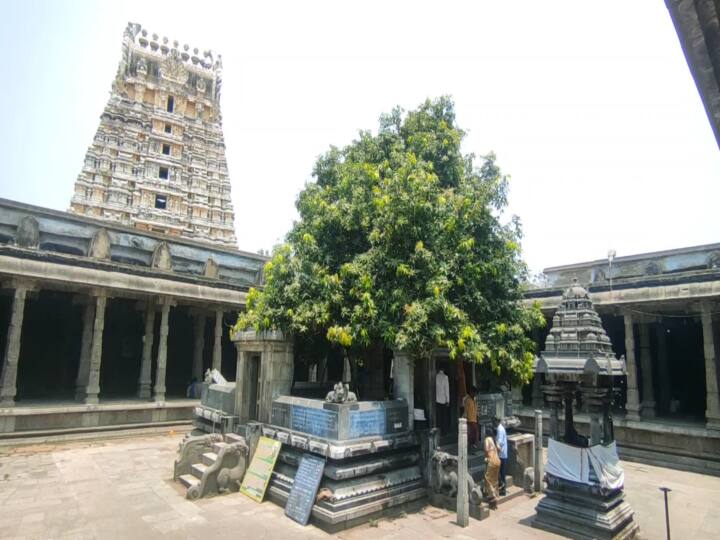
{"x": 573, "y": 463}
{"x": 606, "y": 464}
{"x": 568, "y": 462}
{"x": 442, "y": 388}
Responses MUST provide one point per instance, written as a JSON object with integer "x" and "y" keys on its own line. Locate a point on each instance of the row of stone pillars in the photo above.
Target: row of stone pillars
{"x": 637, "y": 409}
{"x": 87, "y": 384}
{"x": 645, "y": 408}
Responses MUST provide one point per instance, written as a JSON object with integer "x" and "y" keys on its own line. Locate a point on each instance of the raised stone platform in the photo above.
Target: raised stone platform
{"x": 665, "y": 443}
{"x": 373, "y": 461}
{"x": 584, "y": 512}
{"x": 67, "y": 417}
{"x": 340, "y": 421}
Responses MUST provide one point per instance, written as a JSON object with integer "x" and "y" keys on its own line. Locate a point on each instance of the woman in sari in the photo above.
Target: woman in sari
{"x": 492, "y": 469}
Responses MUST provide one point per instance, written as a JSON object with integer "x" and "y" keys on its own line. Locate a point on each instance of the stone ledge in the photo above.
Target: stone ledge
{"x": 31, "y": 410}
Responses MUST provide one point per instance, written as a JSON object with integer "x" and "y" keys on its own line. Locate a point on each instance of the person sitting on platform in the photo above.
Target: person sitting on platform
{"x": 502, "y": 445}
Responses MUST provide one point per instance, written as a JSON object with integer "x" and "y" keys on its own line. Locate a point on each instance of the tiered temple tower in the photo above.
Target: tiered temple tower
{"x": 158, "y": 158}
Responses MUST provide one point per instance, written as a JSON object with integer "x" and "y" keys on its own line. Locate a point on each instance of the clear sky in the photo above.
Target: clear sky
{"x": 589, "y": 106}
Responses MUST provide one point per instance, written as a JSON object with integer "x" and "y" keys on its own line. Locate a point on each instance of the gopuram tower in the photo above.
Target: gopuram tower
{"x": 157, "y": 161}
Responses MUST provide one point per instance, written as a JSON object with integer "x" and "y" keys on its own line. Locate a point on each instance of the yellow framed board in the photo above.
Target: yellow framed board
{"x": 261, "y": 467}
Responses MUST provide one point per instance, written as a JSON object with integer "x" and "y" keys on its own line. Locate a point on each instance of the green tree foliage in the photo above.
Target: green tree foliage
{"x": 400, "y": 243}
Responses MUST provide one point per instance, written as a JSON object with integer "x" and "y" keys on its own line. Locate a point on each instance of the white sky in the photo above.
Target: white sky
{"x": 589, "y": 106}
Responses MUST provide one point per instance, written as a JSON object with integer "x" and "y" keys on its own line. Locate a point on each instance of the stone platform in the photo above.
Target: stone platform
{"x": 56, "y": 418}
{"x": 585, "y": 512}
{"x": 662, "y": 442}
{"x": 373, "y": 461}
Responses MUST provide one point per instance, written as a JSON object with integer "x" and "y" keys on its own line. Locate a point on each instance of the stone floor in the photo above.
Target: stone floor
{"x": 120, "y": 488}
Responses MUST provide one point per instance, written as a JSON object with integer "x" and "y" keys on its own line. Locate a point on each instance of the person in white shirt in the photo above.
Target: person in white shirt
{"x": 442, "y": 401}
{"x": 502, "y": 444}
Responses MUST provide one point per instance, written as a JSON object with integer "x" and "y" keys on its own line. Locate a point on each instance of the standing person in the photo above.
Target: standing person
{"x": 470, "y": 414}
{"x": 492, "y": 469}
{"x": 442, "y": 401}
{"x": 502, "y": 444}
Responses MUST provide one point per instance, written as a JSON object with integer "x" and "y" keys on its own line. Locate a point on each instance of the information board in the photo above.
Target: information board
{"x": 315, "y": 421}
{"x": 367, "y": 423}
{"x": 304, "y": 489}
{"x": 258, "y": 474}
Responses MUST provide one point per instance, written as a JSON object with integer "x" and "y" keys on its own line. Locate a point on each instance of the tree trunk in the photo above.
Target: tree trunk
{"x": 461, "y": 384}
{"x": 372, "y": 387}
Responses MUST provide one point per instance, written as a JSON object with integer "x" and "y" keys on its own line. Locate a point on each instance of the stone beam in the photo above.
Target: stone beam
{"x": 119, "y": 282}
{"x": 683, "y": 292}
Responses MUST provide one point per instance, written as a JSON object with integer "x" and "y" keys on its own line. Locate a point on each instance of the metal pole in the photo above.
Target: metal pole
{"x": 538, "y": 452}
{"x": 463, "y": 508}
{"x": 667, "y": 513}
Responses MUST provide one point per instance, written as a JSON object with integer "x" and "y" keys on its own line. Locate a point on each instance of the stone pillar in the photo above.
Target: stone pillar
{"x": 663, "y": 368}
{"x": 648, "y": 401}
{"x": 93, "y": 386}
{"x": 712, "y": 412}
{"x": 81, "y": 381}
{"x": 8, "y": 379}
{"x": 145, "y": 379}
{"x": 463, "y": 502}
{"x": 554, "y": 421}
{"x": 538, "y": 467}
{"x": 217, "y": 345}
{"x": 517, "y": 399}
{"x": 404, "y": 382}
{"x": 161, "y": 364}
{"x": 199, "y": 345}
{"x": 242, "y": 386}
{"x": 632, "y": 406}
{"x": 430, "y": 394}
{"x": 537, "y": 397}
{"x": 596, "y": 431}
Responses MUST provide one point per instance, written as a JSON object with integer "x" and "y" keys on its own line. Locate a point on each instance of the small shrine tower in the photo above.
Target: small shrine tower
{"x": 157, "y": 161}
{"x": 585, "y": 496}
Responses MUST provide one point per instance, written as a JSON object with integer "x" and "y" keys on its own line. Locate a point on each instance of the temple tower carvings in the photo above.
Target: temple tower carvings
{"x": 157, "y": 161}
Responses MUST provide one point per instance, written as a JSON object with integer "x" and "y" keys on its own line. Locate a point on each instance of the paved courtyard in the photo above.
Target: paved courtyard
{"x": 121, "y": 488}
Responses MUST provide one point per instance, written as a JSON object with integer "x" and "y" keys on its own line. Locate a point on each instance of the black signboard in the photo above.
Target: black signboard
{"x": 304, "y": 489}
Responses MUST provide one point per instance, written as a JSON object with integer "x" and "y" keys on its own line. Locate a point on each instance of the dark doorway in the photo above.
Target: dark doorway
{"x": 686, "y": 369}
{"x": 122, "y": 348}
{"x": 181, "y": 337}
{"x": 254, "y": 376}
{"x": 49, "y": 346}
{"x": 229, "y": 353}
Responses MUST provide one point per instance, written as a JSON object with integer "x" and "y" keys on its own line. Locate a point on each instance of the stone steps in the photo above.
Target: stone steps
{"x": 188, "y": 480}
{"x": 216, "y": 447}
{"x": 199, "y": 480}
{"x": 231, "y": 438}
{"x": 208, "y": 458}
{"x": 198, "y": 469}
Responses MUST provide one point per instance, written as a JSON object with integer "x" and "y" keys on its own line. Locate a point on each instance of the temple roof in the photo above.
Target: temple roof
{"x": 698, "y": 27}
{"x": 577, "y": 342}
